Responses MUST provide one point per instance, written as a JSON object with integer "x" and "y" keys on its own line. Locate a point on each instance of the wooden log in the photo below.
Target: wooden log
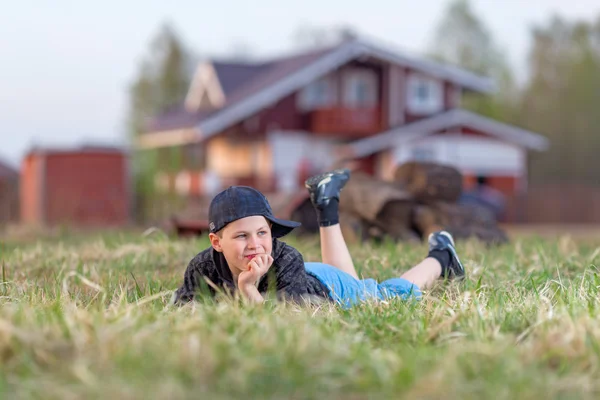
{"x": 372, "y": 209}
{"x": 462, "y": 221}
{"x": 429, "y": 182}
{"x": 354, "y": 229}
{"x": 426, "y": 221}
{"x": 305, "y": 214}
{"x": 462, "y": 214}
{"x": 369, "y": 209}
{"x": 395, "y": 219}
{"x": 384, "y": 208}
{"x": 366, "y": 196}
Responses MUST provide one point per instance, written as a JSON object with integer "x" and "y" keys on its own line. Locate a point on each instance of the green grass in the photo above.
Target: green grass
{"x": 87, "y": 316}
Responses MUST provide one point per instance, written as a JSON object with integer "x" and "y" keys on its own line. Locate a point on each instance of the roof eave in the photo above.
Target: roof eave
{"x": 168, "y": 138}
{"x": 464, "y": 78}
{"x": 526, "y": 138}
{"x": 518, "y": 136}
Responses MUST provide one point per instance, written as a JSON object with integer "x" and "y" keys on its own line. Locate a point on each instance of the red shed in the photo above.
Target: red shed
{"x": 82, "y": 187}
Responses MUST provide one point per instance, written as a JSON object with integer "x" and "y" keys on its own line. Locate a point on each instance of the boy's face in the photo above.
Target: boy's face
{"x": 243, "y": 239}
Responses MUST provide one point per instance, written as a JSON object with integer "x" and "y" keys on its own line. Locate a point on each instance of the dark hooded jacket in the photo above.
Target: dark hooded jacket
{"x": 287, "y": 277}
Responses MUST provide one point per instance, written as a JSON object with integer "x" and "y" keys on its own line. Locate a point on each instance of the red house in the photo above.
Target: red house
{"x": 271, "y": 123}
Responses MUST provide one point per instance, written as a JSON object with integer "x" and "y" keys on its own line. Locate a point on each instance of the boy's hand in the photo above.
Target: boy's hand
{"x": 256, "y": 269}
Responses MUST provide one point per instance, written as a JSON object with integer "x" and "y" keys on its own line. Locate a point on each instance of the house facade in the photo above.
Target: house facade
{"x": 273, "y": 123}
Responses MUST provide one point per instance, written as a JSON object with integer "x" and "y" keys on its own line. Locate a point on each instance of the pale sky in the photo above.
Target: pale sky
{"x": 65, "y": 66}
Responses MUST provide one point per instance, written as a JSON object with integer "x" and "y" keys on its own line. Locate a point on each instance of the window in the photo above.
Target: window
{"x": 360, "y": 89}
{"x": 358, "y": 92}
{"x": 316, "y": 94}
{"x": 425, "y": 95}
{"x": 423, "y": 92}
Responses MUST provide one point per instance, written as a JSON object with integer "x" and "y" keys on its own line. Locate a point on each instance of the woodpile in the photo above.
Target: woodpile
{"x": 429, "y": 182}
{"x": 422, "y": 198}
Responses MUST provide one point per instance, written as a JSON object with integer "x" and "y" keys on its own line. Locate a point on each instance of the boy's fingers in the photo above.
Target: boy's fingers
{"x": 259, "y": 263}
{"x": 262, "y": 262}
{"x": 252, "y": 264}
{"x": 263, "y": 259}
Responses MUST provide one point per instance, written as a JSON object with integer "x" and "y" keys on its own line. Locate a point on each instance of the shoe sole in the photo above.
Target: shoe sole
{"x": 449, "y": 236}
{"x": 321, "y": 178}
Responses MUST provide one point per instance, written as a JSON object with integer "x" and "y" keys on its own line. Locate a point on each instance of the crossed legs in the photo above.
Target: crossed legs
{"x": 325, "y": 189}
{"x": 334, "y": 251}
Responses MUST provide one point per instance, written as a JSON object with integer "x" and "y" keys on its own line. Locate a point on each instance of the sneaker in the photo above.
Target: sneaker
{"x": 443, "y": 241}
{"x": 327, "y": 186}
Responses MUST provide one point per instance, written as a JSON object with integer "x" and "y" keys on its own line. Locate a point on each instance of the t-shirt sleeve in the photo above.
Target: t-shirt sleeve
{"x": 193, "y": 283}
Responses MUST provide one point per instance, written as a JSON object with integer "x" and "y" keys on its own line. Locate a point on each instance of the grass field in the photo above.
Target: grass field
{"x": 87, "y": 316}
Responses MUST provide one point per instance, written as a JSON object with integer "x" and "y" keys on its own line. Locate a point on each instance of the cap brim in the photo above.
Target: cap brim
{"x": 282, "y": 227}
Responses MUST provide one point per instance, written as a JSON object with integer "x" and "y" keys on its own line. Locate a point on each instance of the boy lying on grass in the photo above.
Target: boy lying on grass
{"x": 245, "y": 245}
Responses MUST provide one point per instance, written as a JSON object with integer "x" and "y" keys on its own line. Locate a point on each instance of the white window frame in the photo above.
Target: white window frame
{"x": 433, "y": 103}
{"x": 354, "y": 78}
{"x": 317, "y": 94}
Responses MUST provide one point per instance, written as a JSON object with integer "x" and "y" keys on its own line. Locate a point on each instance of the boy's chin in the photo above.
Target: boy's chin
{"x": 242, "y": 267}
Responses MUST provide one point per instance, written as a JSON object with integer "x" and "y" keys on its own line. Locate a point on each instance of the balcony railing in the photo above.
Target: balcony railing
{"x": 349, "y": 122}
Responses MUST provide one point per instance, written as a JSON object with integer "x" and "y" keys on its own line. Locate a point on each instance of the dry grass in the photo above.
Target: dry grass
{"x": 88, "y": 317}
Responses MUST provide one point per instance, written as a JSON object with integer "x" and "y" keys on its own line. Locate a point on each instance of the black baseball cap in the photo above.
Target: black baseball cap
{"x": 238, "y": 202}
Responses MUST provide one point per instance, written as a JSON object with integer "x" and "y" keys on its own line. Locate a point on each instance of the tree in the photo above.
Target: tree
{"x": 162, "y": 82}
{"x": 462, "y": 39}
{"x": 561, "y": 100}
{"x": 163, "y": 79}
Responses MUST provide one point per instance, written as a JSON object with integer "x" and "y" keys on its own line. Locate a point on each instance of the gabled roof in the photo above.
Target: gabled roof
{"x": 449, "y": 119}
{"x": 176, "y": 117}
{"x": 248, "y": 88}
{"x": 264, "y": 75}
{"x": 233, "y": 75}
{"x": 237, "y": 81}
{"x": 271, "y": 88}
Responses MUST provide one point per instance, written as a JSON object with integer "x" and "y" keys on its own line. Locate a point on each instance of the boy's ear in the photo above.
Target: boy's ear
{"x": 215, "y": 242}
